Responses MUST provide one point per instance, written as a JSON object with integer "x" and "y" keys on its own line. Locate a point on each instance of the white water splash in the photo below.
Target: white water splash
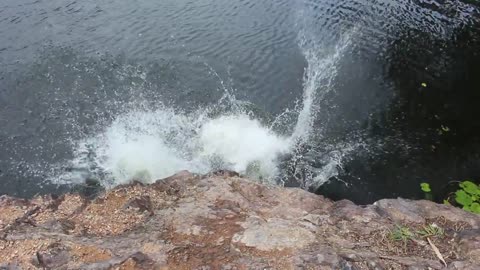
{"x": 150, "y": 145}
{"x": 318, "y": 79}
{"x": 243, "y": 142}
{"x": 147, "y": 145}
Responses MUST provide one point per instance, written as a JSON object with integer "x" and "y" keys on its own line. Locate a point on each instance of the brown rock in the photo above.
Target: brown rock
{"x": 223, "y": 221}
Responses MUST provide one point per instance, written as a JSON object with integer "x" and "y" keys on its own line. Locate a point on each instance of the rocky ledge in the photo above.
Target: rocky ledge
{"x": 223, "y": 221}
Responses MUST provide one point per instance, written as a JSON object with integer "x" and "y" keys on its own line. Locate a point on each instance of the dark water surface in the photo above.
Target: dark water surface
{"x": 394, "y": 87}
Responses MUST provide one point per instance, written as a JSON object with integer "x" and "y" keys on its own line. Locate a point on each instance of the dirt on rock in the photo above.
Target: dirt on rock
{"x": 223, "y": 221}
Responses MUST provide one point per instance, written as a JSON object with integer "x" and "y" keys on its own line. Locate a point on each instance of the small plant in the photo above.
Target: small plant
{"x": 468, "y": 196}
{"x": 427, "y": 191}
{"x": 401, "y": 233}
{"x": 425, "y": 187}
{"x": 431, "y": 230}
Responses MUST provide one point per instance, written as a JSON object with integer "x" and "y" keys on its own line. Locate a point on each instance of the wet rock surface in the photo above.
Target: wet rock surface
{"x": 223, "y": 221}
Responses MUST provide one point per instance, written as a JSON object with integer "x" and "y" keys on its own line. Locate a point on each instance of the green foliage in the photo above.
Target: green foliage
{"x": 401, "y": 233}
{"x": 475, "y": 207}
{"x": 463, "y": 198}
{"x": 470, "y": 187}
{"x": 431, "y": 230}
{"x": 427, "y": 191}
{"x": 425, "y": 187}
{"x": 404, "y": 234}
{"x": 468, "y": 196}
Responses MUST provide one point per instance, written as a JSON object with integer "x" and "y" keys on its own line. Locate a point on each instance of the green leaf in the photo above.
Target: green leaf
{"x": 463, "y": 198}
{"x": 425, "y": 187}
{"x": 470, "y": 187}
{"x": 475, "y": 208}
{"x": 446, "y": 202}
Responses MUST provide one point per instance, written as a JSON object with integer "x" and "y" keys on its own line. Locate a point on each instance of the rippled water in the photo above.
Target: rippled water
{"x": 320, "y": 90}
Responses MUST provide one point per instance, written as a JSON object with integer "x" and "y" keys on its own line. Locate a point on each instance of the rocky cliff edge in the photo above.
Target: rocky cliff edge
{"x": 223, "y": 221}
